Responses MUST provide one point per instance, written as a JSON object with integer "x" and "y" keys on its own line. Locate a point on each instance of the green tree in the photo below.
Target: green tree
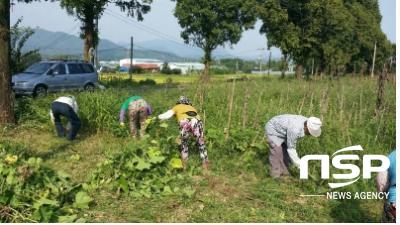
{"x": 335, "y": 42}
{"x": 165, "y": 68}
{"x": 288, "y": 25}
{"x": 88, "y": 11}
{"x": 19, "y": 59}
{"x": 6, "y": 95}
{"x": 336, "y": 33}
{"x": 366, "y": 28}
{"x": 6, "y": 102}
{"x": 211, "y": 23}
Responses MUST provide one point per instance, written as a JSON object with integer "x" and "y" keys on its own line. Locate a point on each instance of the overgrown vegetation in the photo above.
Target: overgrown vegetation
{"x": 141, "y": 181}
{"x": 32, "y": 192}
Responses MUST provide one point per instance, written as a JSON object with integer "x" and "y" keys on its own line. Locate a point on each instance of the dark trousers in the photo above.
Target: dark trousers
{"x": 62, "y": 109}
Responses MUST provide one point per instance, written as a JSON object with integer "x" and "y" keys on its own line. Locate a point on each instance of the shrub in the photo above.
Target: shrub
{"x": 147, "y": 82}
{"x": 31, "y": 192}
{"x": 143, "y": 168}
{"x": 176, "y": 71}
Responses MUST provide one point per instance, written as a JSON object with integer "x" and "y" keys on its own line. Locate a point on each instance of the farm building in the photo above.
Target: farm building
{"x": 155, "y": 65}
{"x": 149, "y": 65}
{"x": 186, "y": 67}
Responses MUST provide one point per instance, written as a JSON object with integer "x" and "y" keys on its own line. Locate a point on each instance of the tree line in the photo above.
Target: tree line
{"x": 330, "y": 36}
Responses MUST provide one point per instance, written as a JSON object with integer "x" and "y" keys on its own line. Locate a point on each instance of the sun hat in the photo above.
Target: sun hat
{"x": 314, "y": 126}
{"x": 184, "y": 100}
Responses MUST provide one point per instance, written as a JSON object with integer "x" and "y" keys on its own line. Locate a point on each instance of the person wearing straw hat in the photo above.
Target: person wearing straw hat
{"x": 282, "y": 133}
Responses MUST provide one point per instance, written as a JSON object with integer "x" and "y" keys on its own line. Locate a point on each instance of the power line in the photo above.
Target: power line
{"x": 151, "y": 31}
{"x": 149, "y": 28}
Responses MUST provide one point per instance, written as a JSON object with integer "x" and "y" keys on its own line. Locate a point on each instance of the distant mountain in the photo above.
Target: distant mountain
{"x": 192, "y": 52}
{"x": 182, "y": 50}
{"x": 257, "y": 54}
{"x": 52, "y": 44}
{"x": 59, "y": 43}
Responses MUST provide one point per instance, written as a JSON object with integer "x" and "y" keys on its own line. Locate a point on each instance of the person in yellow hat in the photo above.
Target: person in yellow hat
{"x": 189, "y": 123}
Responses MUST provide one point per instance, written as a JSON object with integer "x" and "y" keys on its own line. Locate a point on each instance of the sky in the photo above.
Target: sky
{"x": 160, "y": 23}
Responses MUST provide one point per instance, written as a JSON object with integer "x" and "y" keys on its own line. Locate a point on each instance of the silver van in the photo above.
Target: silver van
{"x": 53, "y": 76}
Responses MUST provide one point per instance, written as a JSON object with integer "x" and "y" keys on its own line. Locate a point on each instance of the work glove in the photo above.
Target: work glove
{"x": 151, "y": 120}
{"x": 122, "y": 124}
{"x": 148, "y": 121}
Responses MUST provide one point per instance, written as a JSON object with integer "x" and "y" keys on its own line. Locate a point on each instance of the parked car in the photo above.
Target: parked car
{"x": 54, "y": 76}
{"x": 123, "y": 69}
{"x": 106, "y": 69}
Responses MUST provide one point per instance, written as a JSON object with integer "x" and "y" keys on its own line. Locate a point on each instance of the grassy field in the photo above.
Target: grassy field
{"x": 237, "y": 188}
{"x": 162, "y": 78}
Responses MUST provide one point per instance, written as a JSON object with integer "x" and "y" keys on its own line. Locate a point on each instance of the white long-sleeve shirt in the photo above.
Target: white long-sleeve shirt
{"x": 287, "y": 128}
{"x": 167, "y": 115}
{"x": 67, "y": 100}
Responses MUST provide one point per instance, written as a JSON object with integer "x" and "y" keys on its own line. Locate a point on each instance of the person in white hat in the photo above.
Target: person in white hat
{"x": 282, "y": 133}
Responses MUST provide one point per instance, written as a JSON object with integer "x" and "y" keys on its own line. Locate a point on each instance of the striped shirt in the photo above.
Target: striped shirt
{"x": 286, "y": 128}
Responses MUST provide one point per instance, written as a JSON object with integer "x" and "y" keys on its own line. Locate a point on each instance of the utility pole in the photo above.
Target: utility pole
{"x": 312, "y": 67}
{"x": 131, "y": 59}
{"x": 237, "y": 66}
{"x": 269, "y": 62}
{"x": 390, "y": 65}
{"x": 373, "y": 61}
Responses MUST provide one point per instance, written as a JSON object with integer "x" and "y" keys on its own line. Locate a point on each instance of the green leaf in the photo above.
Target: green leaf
{"x": 176, "y": 163}
{"x": 154, "y": 151}
{"x": 45, "y": 201}
{"x": 89, "y": 186}
{"x": 142, "y": 165}
{"x": 4, "y": 197}
{"x": 82, "y": 200}
{"x": 45, "y": 213}
{"x": 123, "y": 184}
{"x": 63, "y": 174}
{"x": 81, "y": 220}
{"x": 167, "y": 190}
{"x": 67, "y": 219}
{"x": 14, "y": 202}
{"x": 145, "y": 193}
{"x": 164, "y": 125}
{"x": 157, "y": 159}
{"x": 10, "y": 179}
{"x": 189, "y": 192}
{"x": 75, "y": 157}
